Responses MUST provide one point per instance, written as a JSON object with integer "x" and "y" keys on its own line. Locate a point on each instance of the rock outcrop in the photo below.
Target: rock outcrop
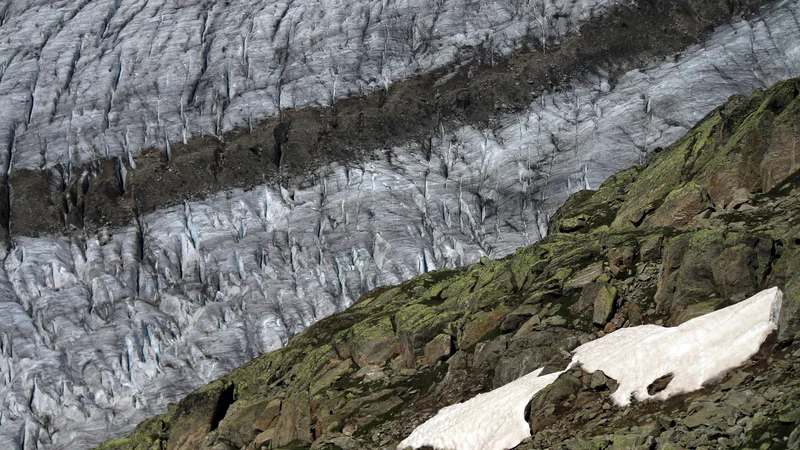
{"x": 709, "y": 221}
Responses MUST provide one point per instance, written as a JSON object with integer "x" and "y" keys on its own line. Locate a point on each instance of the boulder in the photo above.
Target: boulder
{"x": 604, "y": 304}
{"x": 440, "y": 348}
{"x": 373, "y": 343}
{"x": 480, "y": 325}
{"x": 584, "y": 277}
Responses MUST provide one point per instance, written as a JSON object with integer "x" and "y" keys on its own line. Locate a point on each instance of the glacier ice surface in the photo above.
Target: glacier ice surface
{"x": 100, "y": 332}
{"x": 85, "y": 79}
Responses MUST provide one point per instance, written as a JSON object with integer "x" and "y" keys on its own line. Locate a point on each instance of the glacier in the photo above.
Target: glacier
{"x": 84, "y": 79}
{"x": 100, "y": 331}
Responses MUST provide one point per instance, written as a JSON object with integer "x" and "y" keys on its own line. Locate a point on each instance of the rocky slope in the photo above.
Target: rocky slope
{"x": 709, "y": 221}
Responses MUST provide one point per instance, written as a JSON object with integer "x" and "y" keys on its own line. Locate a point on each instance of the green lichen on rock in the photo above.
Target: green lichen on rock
{"x": 604, "y": 304}
{"x": 591, "y": 210}
{"x": 148, "y": 435}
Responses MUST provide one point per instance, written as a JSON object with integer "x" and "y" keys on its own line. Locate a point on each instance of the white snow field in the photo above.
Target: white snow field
{"x": 101, "y": 332}
{"x": 491, "y": 421}
{"x": 694, "y": 352}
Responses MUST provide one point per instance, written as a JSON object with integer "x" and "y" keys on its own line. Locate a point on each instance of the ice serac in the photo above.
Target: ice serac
{"x": 693, "y": 353}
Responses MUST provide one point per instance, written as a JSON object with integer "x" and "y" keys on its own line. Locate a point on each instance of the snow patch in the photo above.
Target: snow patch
{"x": 694, "y": 352}
{"x": 491, "y": 421}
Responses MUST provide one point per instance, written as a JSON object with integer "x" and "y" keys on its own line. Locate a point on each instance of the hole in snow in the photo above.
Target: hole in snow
{"x": 659, "y": 384}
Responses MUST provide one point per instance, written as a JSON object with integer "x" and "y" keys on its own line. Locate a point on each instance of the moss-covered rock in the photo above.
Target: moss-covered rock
{"x": 605, "y": 303}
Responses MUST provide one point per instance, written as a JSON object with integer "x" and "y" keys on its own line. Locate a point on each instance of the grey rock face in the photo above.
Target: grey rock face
{"x": 99, "y": 332}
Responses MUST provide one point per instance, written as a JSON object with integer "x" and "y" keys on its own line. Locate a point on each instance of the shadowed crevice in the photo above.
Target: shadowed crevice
{"x": 226, "y": 399}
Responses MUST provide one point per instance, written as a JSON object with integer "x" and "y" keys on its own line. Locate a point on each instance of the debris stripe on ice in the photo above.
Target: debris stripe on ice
{"x": 694, "y": 353}
{"x": 79, "y": 83}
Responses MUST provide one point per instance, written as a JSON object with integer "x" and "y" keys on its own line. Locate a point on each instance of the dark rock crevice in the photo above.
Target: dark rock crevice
{"x": 226, "y": 399}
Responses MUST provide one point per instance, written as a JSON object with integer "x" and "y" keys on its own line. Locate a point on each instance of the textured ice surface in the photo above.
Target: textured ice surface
{"x": 695, "y": 353}
{"x": 83, "y": 79}
{"x": 98, "y": 333}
